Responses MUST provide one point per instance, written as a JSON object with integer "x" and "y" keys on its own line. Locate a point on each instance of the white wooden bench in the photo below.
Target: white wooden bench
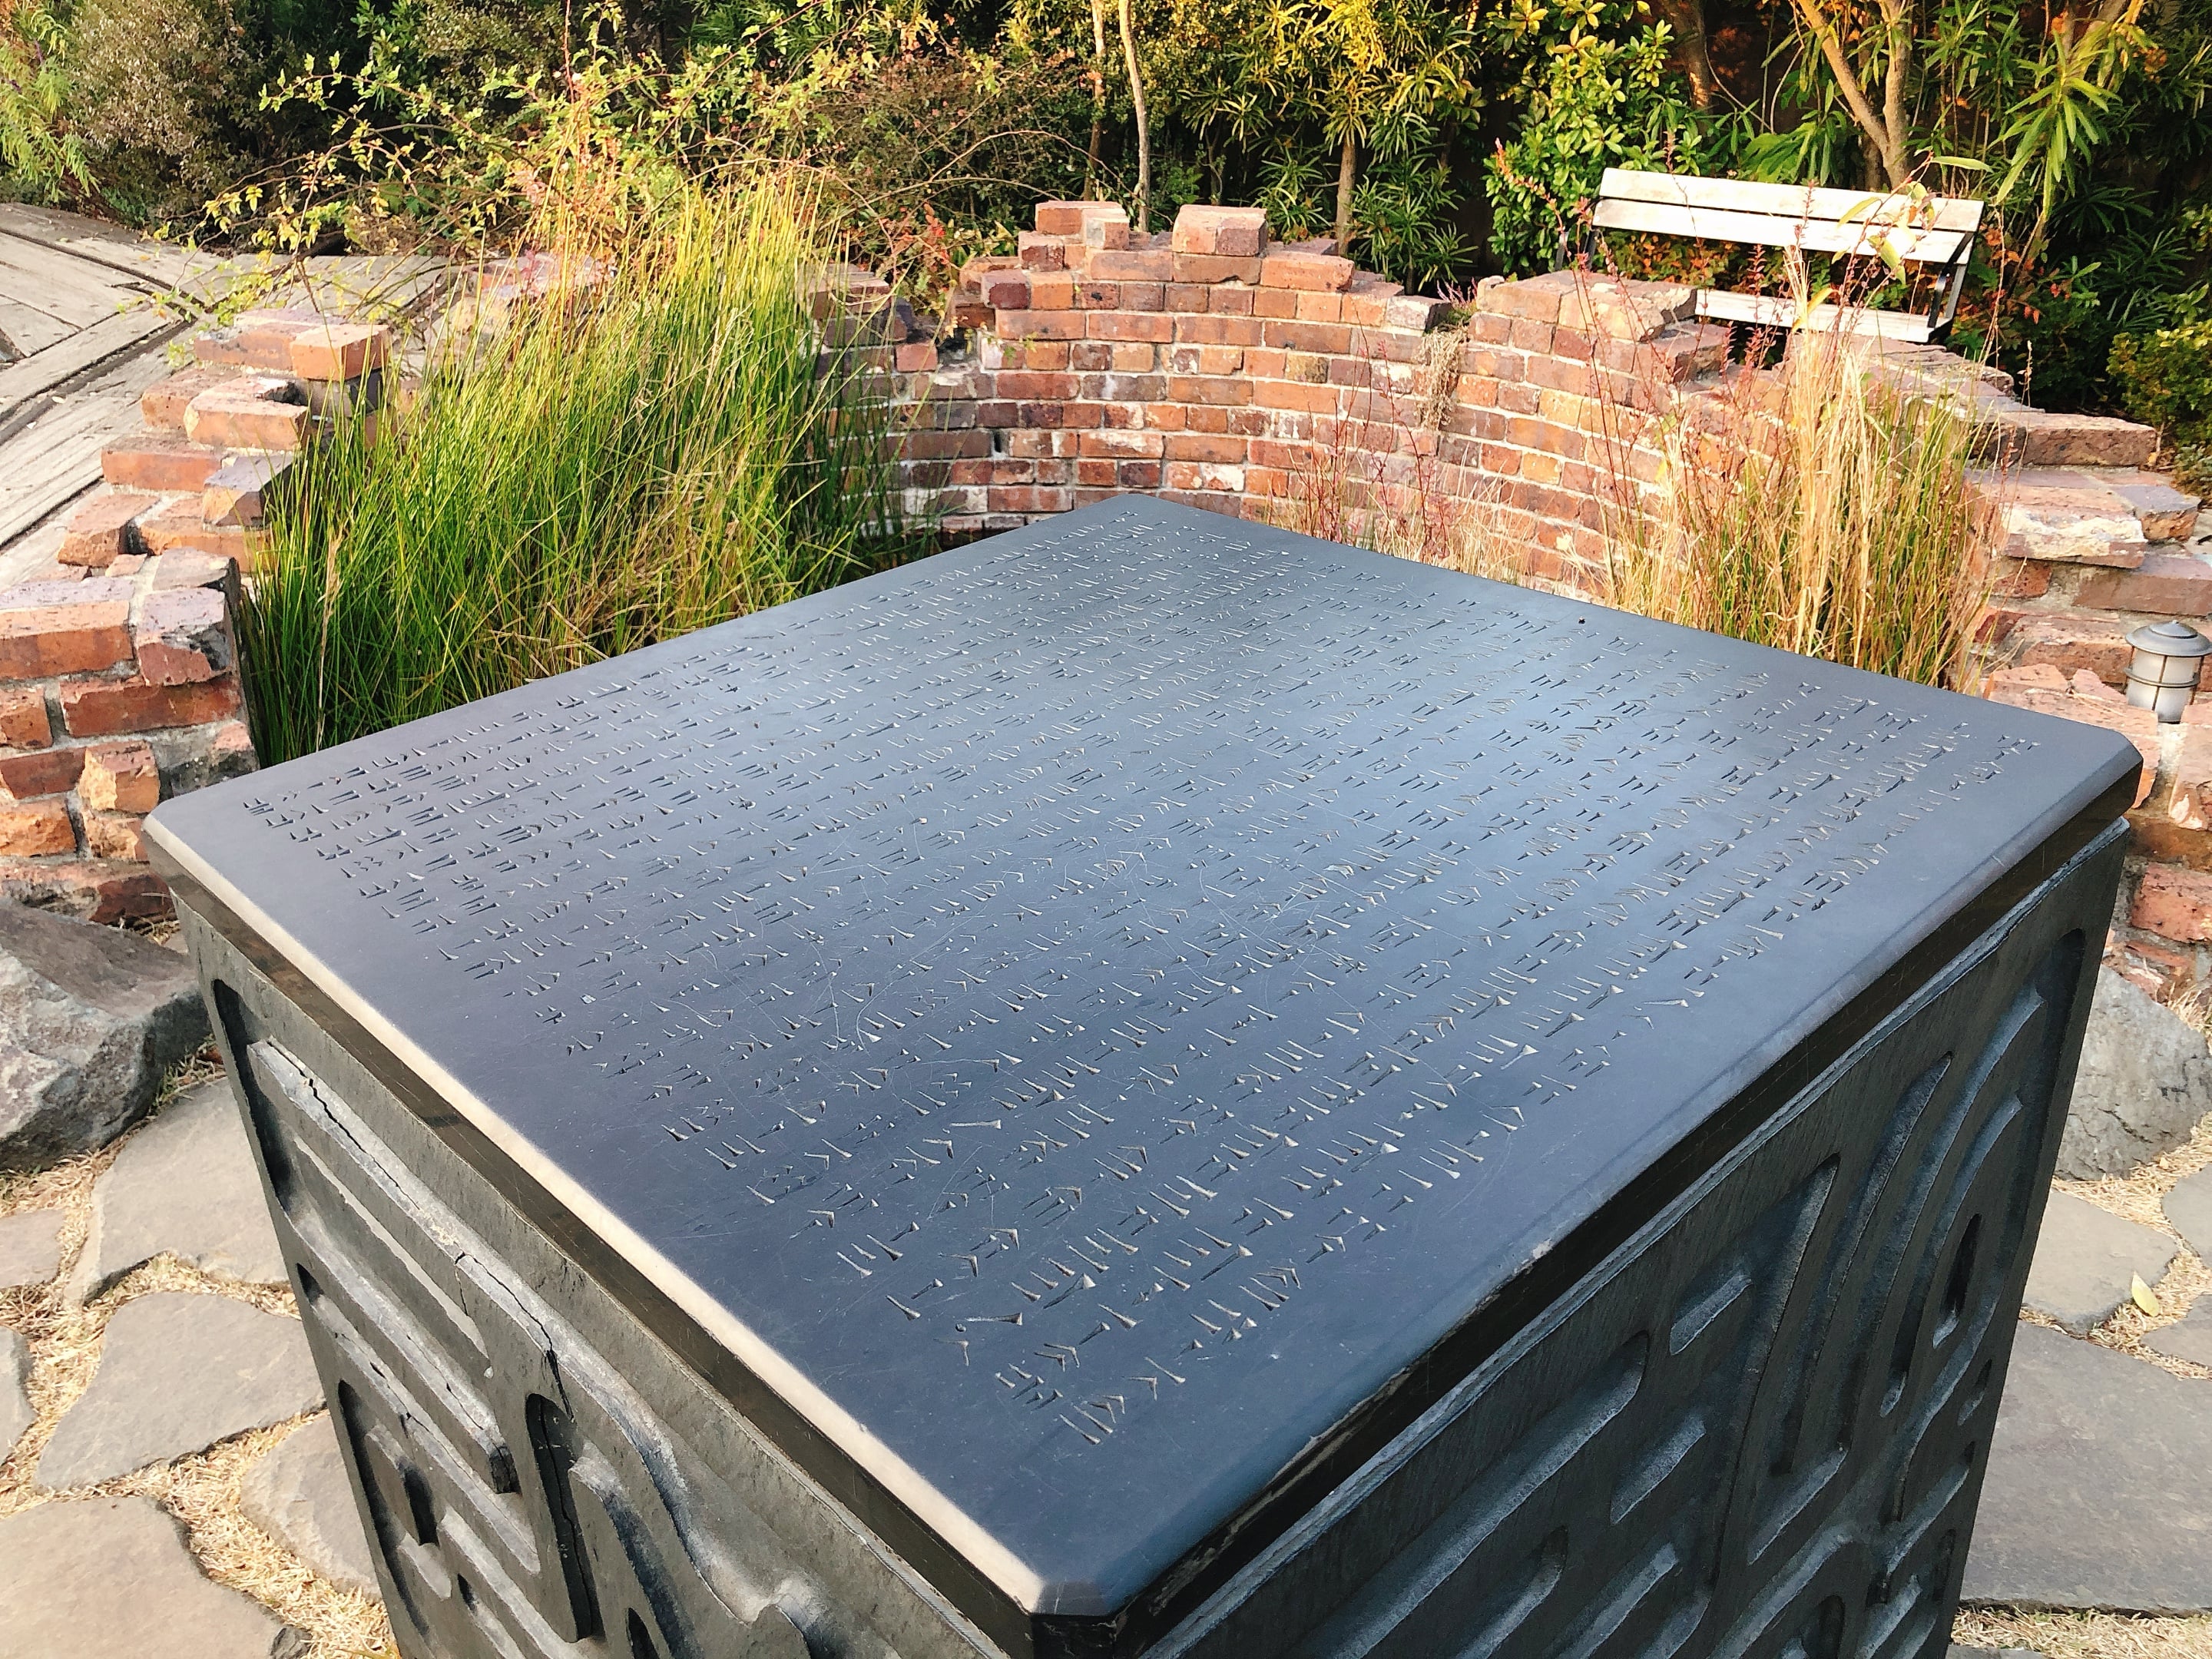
{"x": 1935, "y": 231}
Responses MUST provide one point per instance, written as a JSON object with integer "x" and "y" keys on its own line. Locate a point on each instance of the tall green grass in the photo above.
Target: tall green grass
{"x": 637, "y": 457}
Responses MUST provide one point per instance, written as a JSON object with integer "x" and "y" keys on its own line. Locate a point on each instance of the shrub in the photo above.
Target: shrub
{"x": 39, "y": 155}
{"x": 2165, "y": 379}
{"x": 607, "y": 472}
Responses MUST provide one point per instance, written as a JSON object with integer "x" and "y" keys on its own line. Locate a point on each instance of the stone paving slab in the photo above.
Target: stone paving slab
{"x": 30, "y": 1248}
{"x": 2190, "y": 1339}
{"x": 110, "y": 1578}
{"x": 2096, "y": 1494}
{"x": 297, "y": 1493}
{"x": 185, "y": 1185}
{"x": 15, "y": 1413}
{"x": 2189, "y": 1212}
{"x": 176, "y": 1374}
{"x": 2087, "y": 1260}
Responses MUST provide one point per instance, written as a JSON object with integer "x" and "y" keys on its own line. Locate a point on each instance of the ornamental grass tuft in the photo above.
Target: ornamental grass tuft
{"x": 657, "y": 444}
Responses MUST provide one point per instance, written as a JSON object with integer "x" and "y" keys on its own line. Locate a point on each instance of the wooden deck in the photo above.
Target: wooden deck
{"x": 91, "y": 314}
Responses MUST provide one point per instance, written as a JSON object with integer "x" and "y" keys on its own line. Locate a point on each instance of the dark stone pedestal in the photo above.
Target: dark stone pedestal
{"x": 1149, "y": 1086}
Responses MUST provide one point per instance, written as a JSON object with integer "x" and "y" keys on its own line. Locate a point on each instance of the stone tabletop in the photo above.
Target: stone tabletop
{"x": 1076, "y": 1017}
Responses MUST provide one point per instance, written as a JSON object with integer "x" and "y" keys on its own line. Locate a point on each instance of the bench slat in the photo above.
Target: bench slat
{"x": 1771, "y": 313}
{"x": 1815, "y": 235}
{"x": 1791, "y": 202}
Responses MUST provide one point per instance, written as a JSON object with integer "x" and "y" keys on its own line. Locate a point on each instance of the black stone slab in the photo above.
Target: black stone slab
{"x": 1085, "y": 1037}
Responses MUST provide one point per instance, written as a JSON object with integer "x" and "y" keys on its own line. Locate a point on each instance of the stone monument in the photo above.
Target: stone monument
{"x": 1152, "y": 1086}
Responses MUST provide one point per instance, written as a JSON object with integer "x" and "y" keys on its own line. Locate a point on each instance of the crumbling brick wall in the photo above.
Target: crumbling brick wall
{"x": 119, "y": 674}
{"x": 1213, "y": 366}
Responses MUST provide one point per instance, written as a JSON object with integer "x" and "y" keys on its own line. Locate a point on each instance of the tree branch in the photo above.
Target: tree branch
{"x": 1847, "y": 82}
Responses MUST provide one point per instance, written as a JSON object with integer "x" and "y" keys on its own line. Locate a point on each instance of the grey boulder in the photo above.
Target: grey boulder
{"x": 89, "y": 1019}
{"x": 2087, "y": 1261}
{"x": 2145, "y": 1081}
{"x": 176, "y": 1374}
{"x": 2096, "y": 1495}
{"x": 110, "y": 1578}
{"x": 185, "y": 1185}
{"x": 299, "y": 1494}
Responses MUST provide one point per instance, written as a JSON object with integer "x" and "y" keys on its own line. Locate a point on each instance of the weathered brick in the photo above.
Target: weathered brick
{"x": 1028, "y": 498}
{"x": 2174, "y": 904}
{"x": 1199, "y": 269}
{"x": 178, "y": 531}
{"x": 64, "y": 628}
{"x": 119, "y": 777}
{"x": 1068, "y": 218}
{"x": 1132, "y": 265}
{"x": 1202, "y": 229}
{"x": 1536, "y": 299}
{"x": 40, "y": 772}
{"x": 159, "y": 461}
{"x": 2191, "y": 806}
{"x": 24, "y": 723}
{"x": 163, "y": 404}
{"x": 1042, "y": 252}
{"x": 1007, "y": 290}
{"x": 1157, "y": 326}
{"x": 1415, "y": 312}
{"x": 114, "y": 835}
{"x": 1042, "y": 324}
{"x": 182, "y": 636}
{"x": 2065, "y": 640}
{"x": 98, "y": 532}
{"x": 1202, "y": 446}
{"x": 99, "y": 708}
{"x": 1315, "y": 272}
{"x": 2020, "y": 578}
{"x": 243, "y": 489}
{"x": 234, "y": 420}
{"x": 257, "y": 339}
{"x": 36, "y": 829}
{"x": 340, "y": 351}
{"x": 2165, "y": 584}
{"x": 916, "y": 357}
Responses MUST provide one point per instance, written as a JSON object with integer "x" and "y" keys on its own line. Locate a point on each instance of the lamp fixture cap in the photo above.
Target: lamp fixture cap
{"x": 2170, "y": 638}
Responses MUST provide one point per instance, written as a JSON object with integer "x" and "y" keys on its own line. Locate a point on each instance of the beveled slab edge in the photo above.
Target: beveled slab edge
{"x": 1015, "y": 1580}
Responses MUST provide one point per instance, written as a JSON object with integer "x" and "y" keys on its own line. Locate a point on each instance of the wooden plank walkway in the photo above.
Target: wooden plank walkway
{"x": 88, "y": 312}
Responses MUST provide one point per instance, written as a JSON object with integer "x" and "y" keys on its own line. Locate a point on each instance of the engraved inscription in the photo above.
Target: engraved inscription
{"x": 1078, "y": 978}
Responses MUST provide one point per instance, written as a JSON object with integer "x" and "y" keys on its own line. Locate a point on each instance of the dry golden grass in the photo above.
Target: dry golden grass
{"x": 201, "y": 1491}
{"x": 2085, "y": 1635}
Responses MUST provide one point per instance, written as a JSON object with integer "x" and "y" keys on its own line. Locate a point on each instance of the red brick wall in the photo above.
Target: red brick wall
{"x": 1214, "y": 367}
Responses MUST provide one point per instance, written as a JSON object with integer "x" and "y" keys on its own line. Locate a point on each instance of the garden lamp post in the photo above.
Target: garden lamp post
{"x": 2169, "y": 657}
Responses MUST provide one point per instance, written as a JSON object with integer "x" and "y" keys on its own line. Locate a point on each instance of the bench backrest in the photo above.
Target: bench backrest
{"x": 1933, "y": 230}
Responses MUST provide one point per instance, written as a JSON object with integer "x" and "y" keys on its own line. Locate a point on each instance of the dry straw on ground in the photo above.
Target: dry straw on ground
{"x": 201, "y": 1491}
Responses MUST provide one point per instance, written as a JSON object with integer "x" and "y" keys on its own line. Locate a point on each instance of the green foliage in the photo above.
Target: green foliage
{"x": 615, "y": 466}
{"x": 2066, "y": 110}
{"x": 2164, "y": 379}
{"x": 1606, "y": 102}
{"x": 40, "y": 154}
